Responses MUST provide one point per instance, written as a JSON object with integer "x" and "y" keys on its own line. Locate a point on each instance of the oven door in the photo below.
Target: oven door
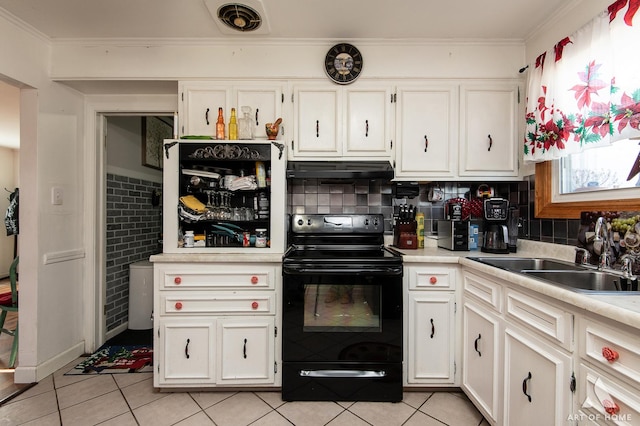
{"x": 342, "y": 335}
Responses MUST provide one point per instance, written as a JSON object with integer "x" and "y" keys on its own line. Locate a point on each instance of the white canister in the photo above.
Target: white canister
{"x": 189, "y": 239}
{"x": 261, "y": 237}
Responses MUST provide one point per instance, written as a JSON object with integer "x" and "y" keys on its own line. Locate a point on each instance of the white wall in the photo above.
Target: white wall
{"x": 51, "y": 237}
{"x": 124, "y": 148}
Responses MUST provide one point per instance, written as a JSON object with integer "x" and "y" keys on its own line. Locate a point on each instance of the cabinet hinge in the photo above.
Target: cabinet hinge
{"x": 455, "y": 307}
{"x": 518, "y": 94}
{"x": 391, "y": 144}
{"x": 275, "y": 367}
{"x": 455, "y": 368}
{"x": 292, "y": 145}
{"x": 282, "y": 98}
{"x": 158, "y": 332}
{"x": 276, "y": 331}
{"x": 292, "y": 98}
{"x": 182, "y": 96}
{"x": 104, "y": 309}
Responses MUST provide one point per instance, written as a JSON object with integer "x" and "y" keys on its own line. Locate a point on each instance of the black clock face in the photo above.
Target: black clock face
{"x": 343, "y": 63}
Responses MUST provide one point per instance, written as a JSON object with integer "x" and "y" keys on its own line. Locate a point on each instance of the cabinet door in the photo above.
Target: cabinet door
{"x": 266, "y": 107}
{"x": 431, "y": 338}
{"x": 317, "y": 114}
{"x": 536, "y": 383}
{"x": 246, "y": 350}
{"x": 480, "y": 360}
{"x": 426, "y": 132}
{"x": 488, "y": 134}
{"x": 368, "y": 122}
{"x": 199, "y": 103}
{"x": 185, "y": 354}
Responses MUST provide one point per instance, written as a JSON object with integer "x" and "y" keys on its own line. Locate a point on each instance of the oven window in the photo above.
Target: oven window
{"x": 342, "y": 308}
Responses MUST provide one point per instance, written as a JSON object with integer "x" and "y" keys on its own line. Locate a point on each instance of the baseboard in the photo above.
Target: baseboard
{"x": 39, "y": 372}
{"x": 114, "y": 332}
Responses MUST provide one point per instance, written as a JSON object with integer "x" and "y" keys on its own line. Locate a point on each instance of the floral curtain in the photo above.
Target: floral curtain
{"x": 585, "y": 92}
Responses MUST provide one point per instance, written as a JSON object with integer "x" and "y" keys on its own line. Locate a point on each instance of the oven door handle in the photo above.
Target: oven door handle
{"x": 343, "y": 373}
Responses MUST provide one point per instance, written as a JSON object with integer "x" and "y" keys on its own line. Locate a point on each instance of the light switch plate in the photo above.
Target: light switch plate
{"x": 57, "y": 196}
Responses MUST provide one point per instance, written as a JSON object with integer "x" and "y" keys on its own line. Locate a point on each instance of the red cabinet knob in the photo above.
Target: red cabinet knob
{"x": 254, "y": 280}
{"x": 610, "y": 354}
{"x": 177, "y": 280}
{"x": 433, "y": 280}
{"x": 611, "y": 407}
{"x": 254, "y": 305}
{"x": 178, "y": 305}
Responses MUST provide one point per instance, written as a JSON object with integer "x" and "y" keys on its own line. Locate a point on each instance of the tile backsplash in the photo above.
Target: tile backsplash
{"x": 374, "y": 196}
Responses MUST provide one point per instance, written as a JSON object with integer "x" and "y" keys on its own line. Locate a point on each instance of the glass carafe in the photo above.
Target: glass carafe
{"x": 244, "y": 124}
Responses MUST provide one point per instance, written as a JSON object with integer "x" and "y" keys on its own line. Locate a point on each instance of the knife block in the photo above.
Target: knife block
{"x": 405, "y": 235}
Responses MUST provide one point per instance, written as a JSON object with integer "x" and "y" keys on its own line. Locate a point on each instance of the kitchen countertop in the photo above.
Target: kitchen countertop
{"x": 622, "y": 307}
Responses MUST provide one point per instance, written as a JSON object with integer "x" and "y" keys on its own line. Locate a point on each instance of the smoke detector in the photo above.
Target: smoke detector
{"x": 245, "y": 17}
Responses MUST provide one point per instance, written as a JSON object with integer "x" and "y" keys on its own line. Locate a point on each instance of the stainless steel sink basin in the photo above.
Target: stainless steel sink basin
{"x": 518, "y": 264}
{"x": 585, "y": 281}
{"x": 557, "y": 272}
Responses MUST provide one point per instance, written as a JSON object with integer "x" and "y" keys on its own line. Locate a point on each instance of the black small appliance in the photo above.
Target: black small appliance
{"x": 496, "y": 233}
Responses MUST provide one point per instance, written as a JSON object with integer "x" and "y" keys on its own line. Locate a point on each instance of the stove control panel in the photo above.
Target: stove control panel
{"x": 337, "y": 223}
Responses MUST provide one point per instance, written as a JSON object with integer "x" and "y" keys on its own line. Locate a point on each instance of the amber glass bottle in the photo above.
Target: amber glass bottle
{"x": 220, "y": 125}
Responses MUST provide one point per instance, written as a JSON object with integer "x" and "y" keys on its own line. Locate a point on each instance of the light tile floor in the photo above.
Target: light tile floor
{"x": 130, "y": 399}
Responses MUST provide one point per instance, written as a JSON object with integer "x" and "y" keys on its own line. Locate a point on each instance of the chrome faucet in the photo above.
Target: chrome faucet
{"x": 627, "y": 267}
{"x": 602, "y": 235}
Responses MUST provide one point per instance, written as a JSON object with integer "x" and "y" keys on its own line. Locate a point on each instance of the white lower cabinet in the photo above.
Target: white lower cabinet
{"x": 481, "y": 366}
{"x": 609, "y": 374}
{"x": 216, "y": 325}
{"x": 185, "y": 351}
{"x": 431, "y": 326}
{"x": 537, "y": 381}
{"x": 245, "y": 352}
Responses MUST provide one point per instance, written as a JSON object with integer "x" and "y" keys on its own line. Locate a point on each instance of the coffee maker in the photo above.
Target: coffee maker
{"x": 496, "y": 233}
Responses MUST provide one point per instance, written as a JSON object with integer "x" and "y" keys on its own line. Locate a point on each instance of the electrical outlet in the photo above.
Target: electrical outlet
{"x": 57, "y": 196}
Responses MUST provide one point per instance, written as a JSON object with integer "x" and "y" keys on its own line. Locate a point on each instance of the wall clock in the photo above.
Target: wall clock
{"x": 343, "y": 63}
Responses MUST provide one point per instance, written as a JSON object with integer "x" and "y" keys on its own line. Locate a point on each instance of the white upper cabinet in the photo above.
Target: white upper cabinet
{"x": 200, "y": 100}
{"x": 426, "y": 131}
{"x": 316, "y": 117}
{"x": 489, "y": 130}
{"x": 332, "y": 121}
{"x": 368, "y": 118}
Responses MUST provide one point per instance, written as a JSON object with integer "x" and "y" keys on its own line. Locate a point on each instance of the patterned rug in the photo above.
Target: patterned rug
{"x": 115, "y": 360}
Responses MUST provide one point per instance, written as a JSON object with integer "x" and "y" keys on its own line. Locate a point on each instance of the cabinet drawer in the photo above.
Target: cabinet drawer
{"x": 484, "y": 290}
{"x": 249, "y": 276}
{"x": 437, "y": 278}
{"x": 173, "y": 303}
{"x": 612, "y": 350}
{"x": 606, "y": 401}
{"x": 548, "y": 320}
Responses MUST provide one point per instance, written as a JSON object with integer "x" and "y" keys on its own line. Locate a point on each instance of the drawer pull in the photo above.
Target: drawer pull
{"x": 254, "y": 280}
{"x": 610, "y": 354}
{"x": 433, "y": 280}
{"x": 254, "y": 305}
{"x": 433, "y": 328}
{"x": 610, "y": 407}
{"x": 475, "y": 344}
{"x": 178, "y": 305}
{"x": 186, "y": 349}
{"x": 177, "y": 280}
{"x": 244, "y": 349}
{"x": 525, "y": 382}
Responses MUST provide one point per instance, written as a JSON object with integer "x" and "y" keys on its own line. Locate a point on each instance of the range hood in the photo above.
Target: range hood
{"x": 340, "y": 170}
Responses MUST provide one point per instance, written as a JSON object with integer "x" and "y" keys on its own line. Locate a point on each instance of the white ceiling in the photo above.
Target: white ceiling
{"x": 326, "y": 19}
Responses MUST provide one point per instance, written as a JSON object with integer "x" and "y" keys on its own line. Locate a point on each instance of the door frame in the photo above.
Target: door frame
{"x": 97, "y": 107}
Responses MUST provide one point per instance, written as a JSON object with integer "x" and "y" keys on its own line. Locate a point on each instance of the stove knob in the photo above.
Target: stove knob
{"x": 300, "y": 222}
{"x": 366, "y": 222}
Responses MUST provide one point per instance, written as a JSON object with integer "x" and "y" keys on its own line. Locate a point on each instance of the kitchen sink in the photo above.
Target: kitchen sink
{"x": 585, "y": 281}
{"x": 518, "y": 264}
{"x": 574, "y": 277}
